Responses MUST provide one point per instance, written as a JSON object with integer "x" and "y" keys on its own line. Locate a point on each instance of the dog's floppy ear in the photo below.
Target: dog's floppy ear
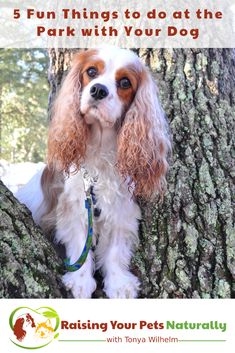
{"x": 68, "y": 131}
{"x": 143, "y": 142}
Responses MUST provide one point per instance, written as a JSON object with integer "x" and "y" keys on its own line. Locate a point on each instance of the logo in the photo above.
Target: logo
{"x": 33, "y": 329}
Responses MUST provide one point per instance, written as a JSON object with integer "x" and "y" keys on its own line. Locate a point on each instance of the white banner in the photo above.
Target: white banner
{"x": 131, "y": 24}
{"x": 70, "y": 325}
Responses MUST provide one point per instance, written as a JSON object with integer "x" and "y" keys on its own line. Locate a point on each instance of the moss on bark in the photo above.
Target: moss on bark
{"x": 30, "y": 266}
{"x": 188, "y": 242}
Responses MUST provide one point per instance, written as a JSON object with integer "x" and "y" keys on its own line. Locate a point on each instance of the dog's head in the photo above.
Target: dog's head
{"x": 109, "y": 81}
{"x": 113, "y": 88}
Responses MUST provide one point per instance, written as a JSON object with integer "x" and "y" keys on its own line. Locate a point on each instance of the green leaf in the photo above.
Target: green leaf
{"x": 50, "y": 314}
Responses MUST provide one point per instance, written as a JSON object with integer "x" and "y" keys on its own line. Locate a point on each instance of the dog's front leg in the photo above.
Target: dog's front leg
{"x": 72, "y": 232}
{"x": 119, "y": 282}
{"x": 81, "y": 282}
{"x": 117, "y": 241}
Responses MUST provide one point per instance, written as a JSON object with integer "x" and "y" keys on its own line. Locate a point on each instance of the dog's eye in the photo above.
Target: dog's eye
{"x": 92, "y": 72}
{"x": 124, "y": 83}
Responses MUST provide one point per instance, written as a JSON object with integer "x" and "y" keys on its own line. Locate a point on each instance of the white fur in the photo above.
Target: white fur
{"x": 31, "y": 195}
{"x": 117, "y": 225}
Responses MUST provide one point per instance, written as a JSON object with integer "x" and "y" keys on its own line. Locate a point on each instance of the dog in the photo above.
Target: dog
{"x": 109, "y": 132}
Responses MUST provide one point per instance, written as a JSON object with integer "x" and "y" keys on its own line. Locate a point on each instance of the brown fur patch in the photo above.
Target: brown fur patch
{"x": 98, "y": 64}
{"x": 127, "y": 95}
{"x": 83, "y": 56}
{"x": 68, "y": 133}
{"x": 142, "y": 143}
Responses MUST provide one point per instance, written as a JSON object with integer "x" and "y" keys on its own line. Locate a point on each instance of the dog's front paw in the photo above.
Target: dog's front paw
{"x": 81, "y": 285}
{"x": 121, "y": 285}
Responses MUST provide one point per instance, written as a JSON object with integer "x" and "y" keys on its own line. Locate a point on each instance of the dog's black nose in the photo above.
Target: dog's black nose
{"x": 99, "y": 91}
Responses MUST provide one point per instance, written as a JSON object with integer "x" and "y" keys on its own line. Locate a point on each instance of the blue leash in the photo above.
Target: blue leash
{"x": 88, "y": 244}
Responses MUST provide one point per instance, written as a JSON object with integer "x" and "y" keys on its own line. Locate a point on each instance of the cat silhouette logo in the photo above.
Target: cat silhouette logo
{"x": 33, "y": 329}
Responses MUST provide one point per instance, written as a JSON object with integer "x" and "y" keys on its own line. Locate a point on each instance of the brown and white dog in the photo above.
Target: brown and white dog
{"x": 107, "y": 121}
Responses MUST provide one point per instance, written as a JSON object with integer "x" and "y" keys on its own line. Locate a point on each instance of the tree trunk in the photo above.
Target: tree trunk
{"x": 188, "y": 242}
{"x": 29, "y": 264}
{"x": 60, "y": 60}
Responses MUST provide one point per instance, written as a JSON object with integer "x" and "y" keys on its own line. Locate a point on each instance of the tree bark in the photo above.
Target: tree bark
{"x": 188, "y": 242}
{"x": 60, "y": 60}
{"x": 30, "y": 266}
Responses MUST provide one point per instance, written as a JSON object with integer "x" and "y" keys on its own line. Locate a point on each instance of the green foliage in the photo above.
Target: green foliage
{"x": 23, "y": 104}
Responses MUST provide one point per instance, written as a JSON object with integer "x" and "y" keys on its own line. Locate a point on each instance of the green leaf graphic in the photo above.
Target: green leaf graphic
{"x": 50, "y": 314}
